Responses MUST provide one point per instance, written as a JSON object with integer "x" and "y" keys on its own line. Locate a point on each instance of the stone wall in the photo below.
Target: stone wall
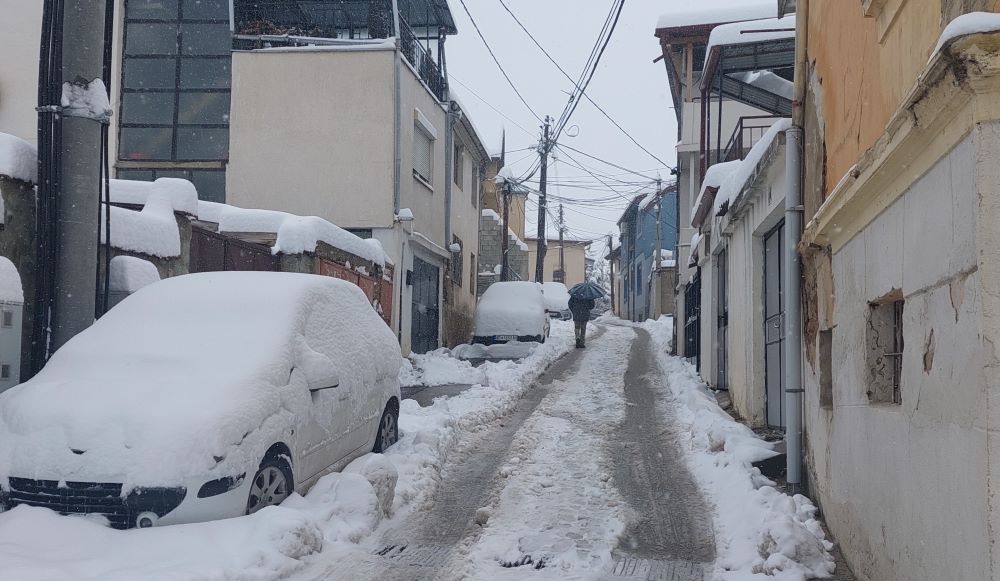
{"x": 491, "y": 252}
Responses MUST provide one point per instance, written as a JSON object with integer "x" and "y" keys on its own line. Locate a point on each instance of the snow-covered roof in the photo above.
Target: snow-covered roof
{"x": 294, "y": 234}
{"x": 129, "y": 274}
{"x": 966, "y": 24}
{"x": 18, "y": 158}
{"x": 683, "y": 13}
{"x": 182, "y": 193}
{"x": 752, "y": 31}
{"x": 738, "y": 179}
{"x": 769, "y": 82}
{"x": 10, "y": 282}
{"x": 714, "y": 177}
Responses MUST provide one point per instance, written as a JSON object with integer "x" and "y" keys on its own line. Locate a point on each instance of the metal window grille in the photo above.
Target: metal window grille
{"x": 897, "y": 355}
{"x": 5, "y": 371}
{"x": 8, "y": 318}
{"x": 459, "y": 166}
{"x": 457, "y": 268}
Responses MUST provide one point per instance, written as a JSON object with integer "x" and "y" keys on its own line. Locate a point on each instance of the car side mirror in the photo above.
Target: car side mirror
{"x": 327, "y": 381}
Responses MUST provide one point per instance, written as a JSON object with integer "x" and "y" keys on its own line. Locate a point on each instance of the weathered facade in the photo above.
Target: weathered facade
{"x": 901, "y": 270}
{"x": 569, "y": 268}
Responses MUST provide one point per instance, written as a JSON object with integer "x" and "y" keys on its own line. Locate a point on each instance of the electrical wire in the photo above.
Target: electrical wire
{"x": 576, "y": 86}
{"x": 497, "y": 61}
{"x": 491, "y": 106}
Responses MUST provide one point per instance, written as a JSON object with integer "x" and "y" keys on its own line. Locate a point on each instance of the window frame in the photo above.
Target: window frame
{"x": 420, "y": 132}
{"x": 458, "y": 163}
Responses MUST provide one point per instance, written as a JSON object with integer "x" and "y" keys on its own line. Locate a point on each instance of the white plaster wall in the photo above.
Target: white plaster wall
{"x": 20, "y": 30}
{"x": 465, "y": 225}
{"x": 311, "y": 133}
{"x": 904, "y": 487}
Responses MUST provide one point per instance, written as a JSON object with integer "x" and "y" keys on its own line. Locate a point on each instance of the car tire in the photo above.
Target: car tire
{"x": 271, "y": 484}
{"x": 388, "y": 429}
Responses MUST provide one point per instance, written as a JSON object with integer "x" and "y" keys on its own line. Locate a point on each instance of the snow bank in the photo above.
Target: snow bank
{"x": 182, "y": 193}
{"x": 966, "y": 24}
{"x": 439, "y": 367}
{"x": 18, "y": 159}
{"x": 680, "y": 13}
{"x": 509, "y": 350}
{"x": 10, "y": 282}
{"x": 129, "y": 274}
{"x": 511, "y": 308}
{"x": 294, "y": 234}
{"x": 761, "y": 533}
{"x": 737, "y": 179}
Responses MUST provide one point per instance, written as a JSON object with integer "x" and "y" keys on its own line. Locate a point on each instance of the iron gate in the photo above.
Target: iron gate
{"x": 424, "y": 318}
{"x": 774, "y": 327}
{"x": 692, "y": 320}
{"x": 213, "y": 252}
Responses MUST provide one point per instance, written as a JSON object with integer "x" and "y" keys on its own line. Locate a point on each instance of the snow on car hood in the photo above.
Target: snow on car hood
{"x": 511, "y": 308}
{"x": 188, "y": 377}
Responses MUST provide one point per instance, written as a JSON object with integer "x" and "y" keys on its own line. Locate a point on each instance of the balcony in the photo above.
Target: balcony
{"x": 748, "y": 131}
{"x": 263, "y": 24}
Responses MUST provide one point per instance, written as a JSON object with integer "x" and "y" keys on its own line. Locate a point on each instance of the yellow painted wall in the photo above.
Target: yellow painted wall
{"x": 865, "y": 67}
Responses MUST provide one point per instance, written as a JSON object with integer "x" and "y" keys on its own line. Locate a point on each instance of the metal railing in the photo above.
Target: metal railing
{"x": 422, "y": 61}
{"x": 748, "y": 131}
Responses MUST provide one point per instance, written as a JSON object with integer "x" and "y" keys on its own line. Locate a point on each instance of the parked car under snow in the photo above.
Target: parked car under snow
{"x": 556, "y": 300}
{"x": 511, "y": 311}
{"x": 202, "y": 397}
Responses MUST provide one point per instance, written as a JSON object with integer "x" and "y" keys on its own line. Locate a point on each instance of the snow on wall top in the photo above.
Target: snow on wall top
{"x": 152, "y": 231}
{"x": 488, "y": 213}
{"x": 966, "y": 24}
{"x": 681, "y": 13}
{"x": 18, "y": 158}
{"x": 294, "y": 234}
{"x": 129, "y": 274}
{"x": 10, "y": 282}
{"x": 520, "y": 243}
{"x": 713, "y": 179}
{"x": 738, "y": 179}
{"x": 182, "y": 193}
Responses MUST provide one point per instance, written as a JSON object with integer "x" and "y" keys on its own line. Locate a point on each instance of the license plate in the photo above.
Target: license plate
{"x": 506, "y": 337}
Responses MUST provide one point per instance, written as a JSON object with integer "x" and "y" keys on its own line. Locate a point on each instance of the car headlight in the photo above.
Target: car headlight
{"x": 220, "y": 485}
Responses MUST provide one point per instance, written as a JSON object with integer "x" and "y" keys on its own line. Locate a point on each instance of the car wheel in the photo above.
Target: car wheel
{"x": 388, "y": 429}
{"x": 270, "y": 486}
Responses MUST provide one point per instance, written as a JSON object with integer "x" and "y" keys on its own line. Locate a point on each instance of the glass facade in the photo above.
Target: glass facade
{"x": 175, "y": 91}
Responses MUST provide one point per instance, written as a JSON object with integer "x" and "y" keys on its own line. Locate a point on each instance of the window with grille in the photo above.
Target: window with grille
{"x": 884, "y": 338}
{"x": 456, "y": 263}
{"x": 8, "y": 318}
{"x": 5, "y": 371}
{"x": 473, "y": 269}
{"x": 459, "y": 166}
{"x": 423, "y": 154}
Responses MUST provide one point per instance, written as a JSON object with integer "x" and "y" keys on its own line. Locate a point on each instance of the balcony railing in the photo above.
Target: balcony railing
{"x": 748, "y": 131}
{"x": 422, "y": 61}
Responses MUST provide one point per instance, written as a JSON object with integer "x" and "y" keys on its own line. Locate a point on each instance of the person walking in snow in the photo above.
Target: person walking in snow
{"x": 581, "y": 314}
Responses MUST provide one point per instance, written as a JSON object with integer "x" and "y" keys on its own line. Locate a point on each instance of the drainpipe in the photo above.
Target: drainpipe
{"x": 397, "y": 145}
{"x": 454, "y": 113}
{"x": 793, "y": 270}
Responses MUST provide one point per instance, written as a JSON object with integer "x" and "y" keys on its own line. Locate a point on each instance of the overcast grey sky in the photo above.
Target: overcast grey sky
{"x": 627, "y": 85}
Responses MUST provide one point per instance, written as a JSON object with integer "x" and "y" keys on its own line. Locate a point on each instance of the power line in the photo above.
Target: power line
{"x": 577, "y": 86}
{"x": 490, "y": 105}
{"x": 497, "y": 61}
{"x": 614, "y": 165}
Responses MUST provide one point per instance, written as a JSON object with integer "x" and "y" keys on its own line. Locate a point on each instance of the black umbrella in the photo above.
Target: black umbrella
{"x": 586, "y": 291}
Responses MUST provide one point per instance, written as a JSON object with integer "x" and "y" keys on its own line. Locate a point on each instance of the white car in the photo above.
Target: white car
{"x": 201, "y": 397}
{"x": 511, "y": 311}
{"x": 556, "y": 300}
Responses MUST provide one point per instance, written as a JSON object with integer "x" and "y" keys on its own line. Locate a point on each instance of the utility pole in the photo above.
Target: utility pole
{"x": 611, "y": 267}
{"x": 505, "y": 235}
{"x": 562, "y": 252}
{"x": 542, "y": 202}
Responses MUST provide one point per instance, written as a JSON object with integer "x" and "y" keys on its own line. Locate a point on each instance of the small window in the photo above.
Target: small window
{"x": 456, "y": 264}
{"x": 8, "y": 318}
{"x": 5, "y": 371}
{"x": 459, "y": 162}
{"x": 884, "y": 340}
{"x": 423, "y": 154}
{"x": 558, "y": 276}
{"x": 473, "y": 269}
{"x": 826, "y": 369}
{"x": 477, "y": 184}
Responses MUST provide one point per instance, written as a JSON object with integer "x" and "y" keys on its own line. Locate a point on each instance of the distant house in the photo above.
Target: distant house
{"x": 565, "y": 262}
{"x": 641, "y": 276}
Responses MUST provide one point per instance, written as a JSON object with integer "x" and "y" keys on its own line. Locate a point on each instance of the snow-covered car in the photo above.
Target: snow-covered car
{"x": 203, "y": 396}
{"x": 556, "y": 300}
{"x": 511, "y": 311}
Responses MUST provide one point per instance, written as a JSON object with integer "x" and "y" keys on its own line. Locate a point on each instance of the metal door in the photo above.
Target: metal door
{"x": 774, "y": 327}
{"x": 692, "y": 320}
{"x": 424, "y": 322}
{"x": 722, "y": 322}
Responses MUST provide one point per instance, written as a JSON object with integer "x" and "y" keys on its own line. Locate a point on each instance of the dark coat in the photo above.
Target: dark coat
{"x": 580, "y": 308}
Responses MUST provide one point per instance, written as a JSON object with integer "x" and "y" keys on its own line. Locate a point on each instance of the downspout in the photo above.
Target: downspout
{"x": 449, "y": 166}
{"x": 397, "y": 150}
{"x": 793, "y": 271}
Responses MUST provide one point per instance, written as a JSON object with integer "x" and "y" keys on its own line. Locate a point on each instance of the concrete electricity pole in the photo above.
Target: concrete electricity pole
{"x": 542, "y": 202}
{"x": 505, "y": 235}
{"x": 658, "y": 255}
{"x": 562, "y": 245}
